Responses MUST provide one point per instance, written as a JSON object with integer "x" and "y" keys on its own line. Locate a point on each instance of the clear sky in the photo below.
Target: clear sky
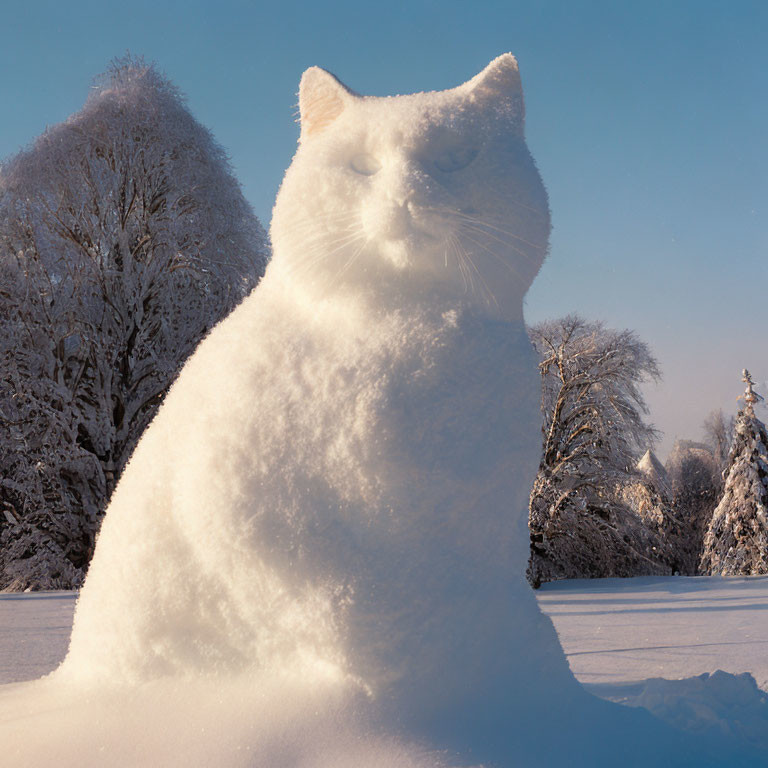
{"x": 649, "y": 122}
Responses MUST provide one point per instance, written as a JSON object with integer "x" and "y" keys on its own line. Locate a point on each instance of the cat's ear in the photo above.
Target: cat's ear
{"x": 498, "y": 85}
{"x": 322, "y": 98}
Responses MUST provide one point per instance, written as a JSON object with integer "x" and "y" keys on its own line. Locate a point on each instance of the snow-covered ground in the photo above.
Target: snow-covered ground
{"x": 614, "y": 631}
{"x": 618, "y": 631}
{"x": 618, "y": 634}
{"x": 34, "y": 633}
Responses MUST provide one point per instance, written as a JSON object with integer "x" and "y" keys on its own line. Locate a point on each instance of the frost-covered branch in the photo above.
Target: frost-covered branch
{"x": 124, "y": 237}
{"x": 594, "y": 428}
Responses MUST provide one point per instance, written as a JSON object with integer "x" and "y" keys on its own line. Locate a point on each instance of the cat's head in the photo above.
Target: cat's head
{"x": 430, "y": 193}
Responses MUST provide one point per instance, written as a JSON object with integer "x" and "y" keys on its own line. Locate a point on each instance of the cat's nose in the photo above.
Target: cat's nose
{"x": 398, "y": 218}
{"x": 403, "y": 200}
{"x": 404, "y": 181}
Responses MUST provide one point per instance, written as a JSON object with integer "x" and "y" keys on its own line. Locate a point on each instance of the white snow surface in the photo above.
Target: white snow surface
{"x": 34, "y": 633}
{"x": 316, "y": 555}
{"x": 618, "y": 631}
{"x": 615, "y": 632}
{"x": 620, "y": 636}
{"x": 690, "y": 650}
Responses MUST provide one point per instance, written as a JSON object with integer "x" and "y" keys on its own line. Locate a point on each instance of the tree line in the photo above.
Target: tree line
{"x": 602, "y": 504}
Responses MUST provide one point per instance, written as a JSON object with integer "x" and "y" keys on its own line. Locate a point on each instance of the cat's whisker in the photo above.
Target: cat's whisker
{"x": 531, "y": 209}
{"x": 467, "y": 260}
{"x": 321, "y": 254}
{"x": 321, "y": 239}
{"x": 467, "y": 227}
{"x": 352, "y": 259}
{"x": 518, "y": 275}
{"x": 304, "y": 269}
{"x": 328, "y": 220}
{"x": 467, "y": 264}
{"x": 301, "y": 239}
{"x": 325, "y": 238}
{"x": 460, "y": 263}
{"x": 480, "y": 223}
{"x": 487, "y": 288}
{"x": 457, "y": 256}
{"x": 317, "y": 255}
{"x": 480, "y": 277}
{"x": 326, "y": 243}
{"x": 464, "y": 219}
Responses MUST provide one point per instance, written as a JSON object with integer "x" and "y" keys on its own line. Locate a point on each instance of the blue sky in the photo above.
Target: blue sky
{"x": 649, "y": 122}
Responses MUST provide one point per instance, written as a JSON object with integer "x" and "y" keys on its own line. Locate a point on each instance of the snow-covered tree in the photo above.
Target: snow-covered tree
{"x": 695, "y": 483}
{"x": 124, "y": 237}
{"x": 50, "y": 486}
{"x": 736, "y": 541}
{"x": 692, "y": 468}
{"x": 594, "y": 430}
{"x": 654, "y": 473}
{"x": 650, "y": 496}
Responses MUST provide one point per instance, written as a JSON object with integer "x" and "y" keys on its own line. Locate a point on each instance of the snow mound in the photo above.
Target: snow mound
{"x": 729, "y": 704}
{"x": 279, "y": 723}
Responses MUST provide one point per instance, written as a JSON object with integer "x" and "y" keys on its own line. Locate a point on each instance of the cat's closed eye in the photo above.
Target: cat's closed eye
{"x": 455, "y": 159}
{"x": 365, "y": 164}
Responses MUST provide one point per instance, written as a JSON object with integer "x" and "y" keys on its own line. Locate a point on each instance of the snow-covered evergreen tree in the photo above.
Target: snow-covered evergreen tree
{"x": 653, "y": 470}
{"x": 736, "y": 541}
{"x": 124, "y": 237}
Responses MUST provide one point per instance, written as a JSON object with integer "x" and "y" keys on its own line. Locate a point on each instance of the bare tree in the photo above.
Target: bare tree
{"x": 124, "y": 237}
{"x": 696, "y": 483}
{"x": 594, "y": 430}
{"x": 696, "y": 474}
{"x": 693, "y": 471}
{"x": 718, "y": 431}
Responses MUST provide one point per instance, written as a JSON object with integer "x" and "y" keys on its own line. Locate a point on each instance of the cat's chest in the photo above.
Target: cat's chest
{"x": 332, "y": 412}
{"x": 432, "y": 390}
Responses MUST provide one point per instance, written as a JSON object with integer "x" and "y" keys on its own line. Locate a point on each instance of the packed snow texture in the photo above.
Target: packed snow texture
{"x": 316, "y": 554}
